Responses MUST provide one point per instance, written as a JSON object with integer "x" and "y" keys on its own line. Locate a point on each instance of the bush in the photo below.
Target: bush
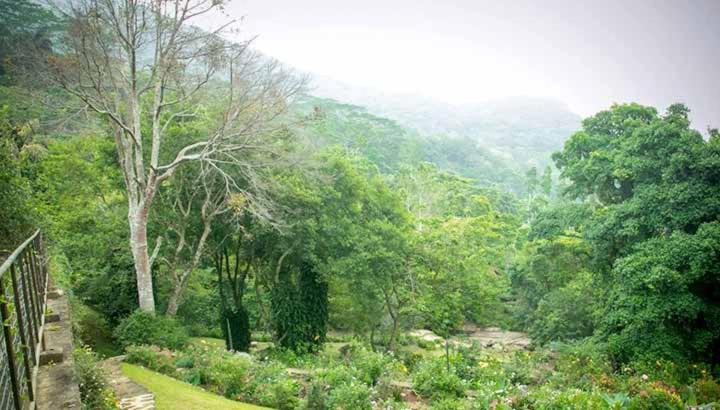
{"x": 580, "y": 364}
{"x": 656, "y": 397}
{"x": 285, "y": 394}
{"x": 548, "y": 399}
{"x": 448, "y": 404}
{"x": 350, "y": 396}
{"x": 432, "y": 379}
{"x": 706, "y": 391}
{"x": 152, "y": 358}
{"x": 369, "y": 366}
{"x": 94, "y": 391}
{"x": 315, "y": 398}
{"x": 142, "y": 328}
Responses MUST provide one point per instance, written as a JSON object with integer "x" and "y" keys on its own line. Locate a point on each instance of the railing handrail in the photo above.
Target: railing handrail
{"x": 13, "y": 256}
{"x": 23, "y": 300}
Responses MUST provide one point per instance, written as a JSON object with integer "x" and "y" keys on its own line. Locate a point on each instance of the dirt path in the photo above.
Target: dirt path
{"x": 491, "y": 336}
{"x": 483, "y": 336}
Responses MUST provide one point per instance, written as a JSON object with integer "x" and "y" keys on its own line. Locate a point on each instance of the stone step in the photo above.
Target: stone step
{"x": 52, "y": 317}
{"x": 55, "y": 294}
{"x": 52, "y": 355}
{"x": 141, "y": 402}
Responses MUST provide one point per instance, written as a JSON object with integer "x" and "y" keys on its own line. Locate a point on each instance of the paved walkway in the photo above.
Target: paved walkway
{"x": 57, "y": 388}
{"x": 131, "y": 395}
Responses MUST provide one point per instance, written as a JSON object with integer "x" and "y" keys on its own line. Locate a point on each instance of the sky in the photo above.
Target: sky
{"x": 587, "y": 54}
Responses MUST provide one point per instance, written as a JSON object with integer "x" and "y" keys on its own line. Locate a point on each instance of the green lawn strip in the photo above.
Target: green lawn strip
{"x": 171, "y": 394}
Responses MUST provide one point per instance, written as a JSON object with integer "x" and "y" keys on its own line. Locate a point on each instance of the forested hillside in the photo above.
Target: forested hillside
{"x": 215, "y": 221}
{"x": 524, "y": 131}
{"x": 390, "y": 145}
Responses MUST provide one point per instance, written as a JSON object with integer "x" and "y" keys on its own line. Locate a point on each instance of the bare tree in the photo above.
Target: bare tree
{"x": 144, "y": 67}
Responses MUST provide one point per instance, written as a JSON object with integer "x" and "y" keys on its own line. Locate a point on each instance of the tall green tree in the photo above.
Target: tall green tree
{"x": 656, "y": 182}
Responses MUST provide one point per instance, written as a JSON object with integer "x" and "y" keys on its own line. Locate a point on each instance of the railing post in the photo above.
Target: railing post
{"x": 9, "y": 350}
{"x": 31, "y": 322}
{"x": 34, "y": 292}
{"x": 21, "y": 326}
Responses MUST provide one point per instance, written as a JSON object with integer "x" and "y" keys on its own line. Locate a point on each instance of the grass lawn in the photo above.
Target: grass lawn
{"x": 171, "y": 394}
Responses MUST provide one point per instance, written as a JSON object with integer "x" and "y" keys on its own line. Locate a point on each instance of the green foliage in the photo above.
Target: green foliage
{"x": 664, "y": 299}
{"x": 235, "y": 376}
{"x": 199, "y": 308}
{"x": 706, "y": 390}
{"x": 151, "y": 357}
{"x": 95, "y": 393}
{"x": 657, "y": 181}
{"x": 565, "y": 313}
{"x": 432, "y": 379}
{"x": 314, "y": 302}
{"x": 347, "y": 396}
{"x": 15, "y": 161}
{"x": 558, "y": 400}
{"x": 448, "y": 404}
{"x": 85, "y": 214}
{"x": 547, "y": 275}
{"x": 143, "y": 328}
{"x": 91, "y": 329}
{"x": 315, "y": 398}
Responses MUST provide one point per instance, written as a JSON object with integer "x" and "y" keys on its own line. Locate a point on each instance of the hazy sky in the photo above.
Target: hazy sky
{"x": 588, "y": 54}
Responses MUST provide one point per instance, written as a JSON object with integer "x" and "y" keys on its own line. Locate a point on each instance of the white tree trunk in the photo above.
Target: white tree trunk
{"x": 139, "y": 248}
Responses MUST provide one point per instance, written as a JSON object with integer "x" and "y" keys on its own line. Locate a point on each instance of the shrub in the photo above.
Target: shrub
{"x": 336, "y": 375}
{"x": 315, "y": 398}
{"x": 432, "y": 379}
{"x": 350, "y": 396}
{"x": 143, "y": 328}
{"x": 152, "y": 358}
{"x": 654, "y": 398}
{"x": 285, "y": 392}
{"x": 580, "y": 364}
{"x": 448, "y": 404}
{"x": 369, "y": 366}
{"x": 706, "y": 390}
{"x": 546, "y": 398}
{"x": 94, "y": 391}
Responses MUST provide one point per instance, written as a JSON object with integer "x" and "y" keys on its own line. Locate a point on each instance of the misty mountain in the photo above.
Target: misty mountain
{"x": 524, "y": 131}
{"x": 391, "y": 145}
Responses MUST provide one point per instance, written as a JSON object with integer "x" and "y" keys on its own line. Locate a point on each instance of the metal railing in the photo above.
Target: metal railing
{"x": 23, "y": 297}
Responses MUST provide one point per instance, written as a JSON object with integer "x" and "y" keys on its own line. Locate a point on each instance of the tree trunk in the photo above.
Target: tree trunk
{"x": 143, "y": 274}
{"x": 179, "y": 286}
{"x": 175, "y": 295}
{"x": 393, "y": 334}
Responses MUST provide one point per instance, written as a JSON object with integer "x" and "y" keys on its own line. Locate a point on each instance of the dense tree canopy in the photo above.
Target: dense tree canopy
{"x": 657, "y": 184}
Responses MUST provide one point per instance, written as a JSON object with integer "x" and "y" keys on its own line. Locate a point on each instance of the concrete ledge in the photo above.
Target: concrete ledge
{"x": 57, "y": 387}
